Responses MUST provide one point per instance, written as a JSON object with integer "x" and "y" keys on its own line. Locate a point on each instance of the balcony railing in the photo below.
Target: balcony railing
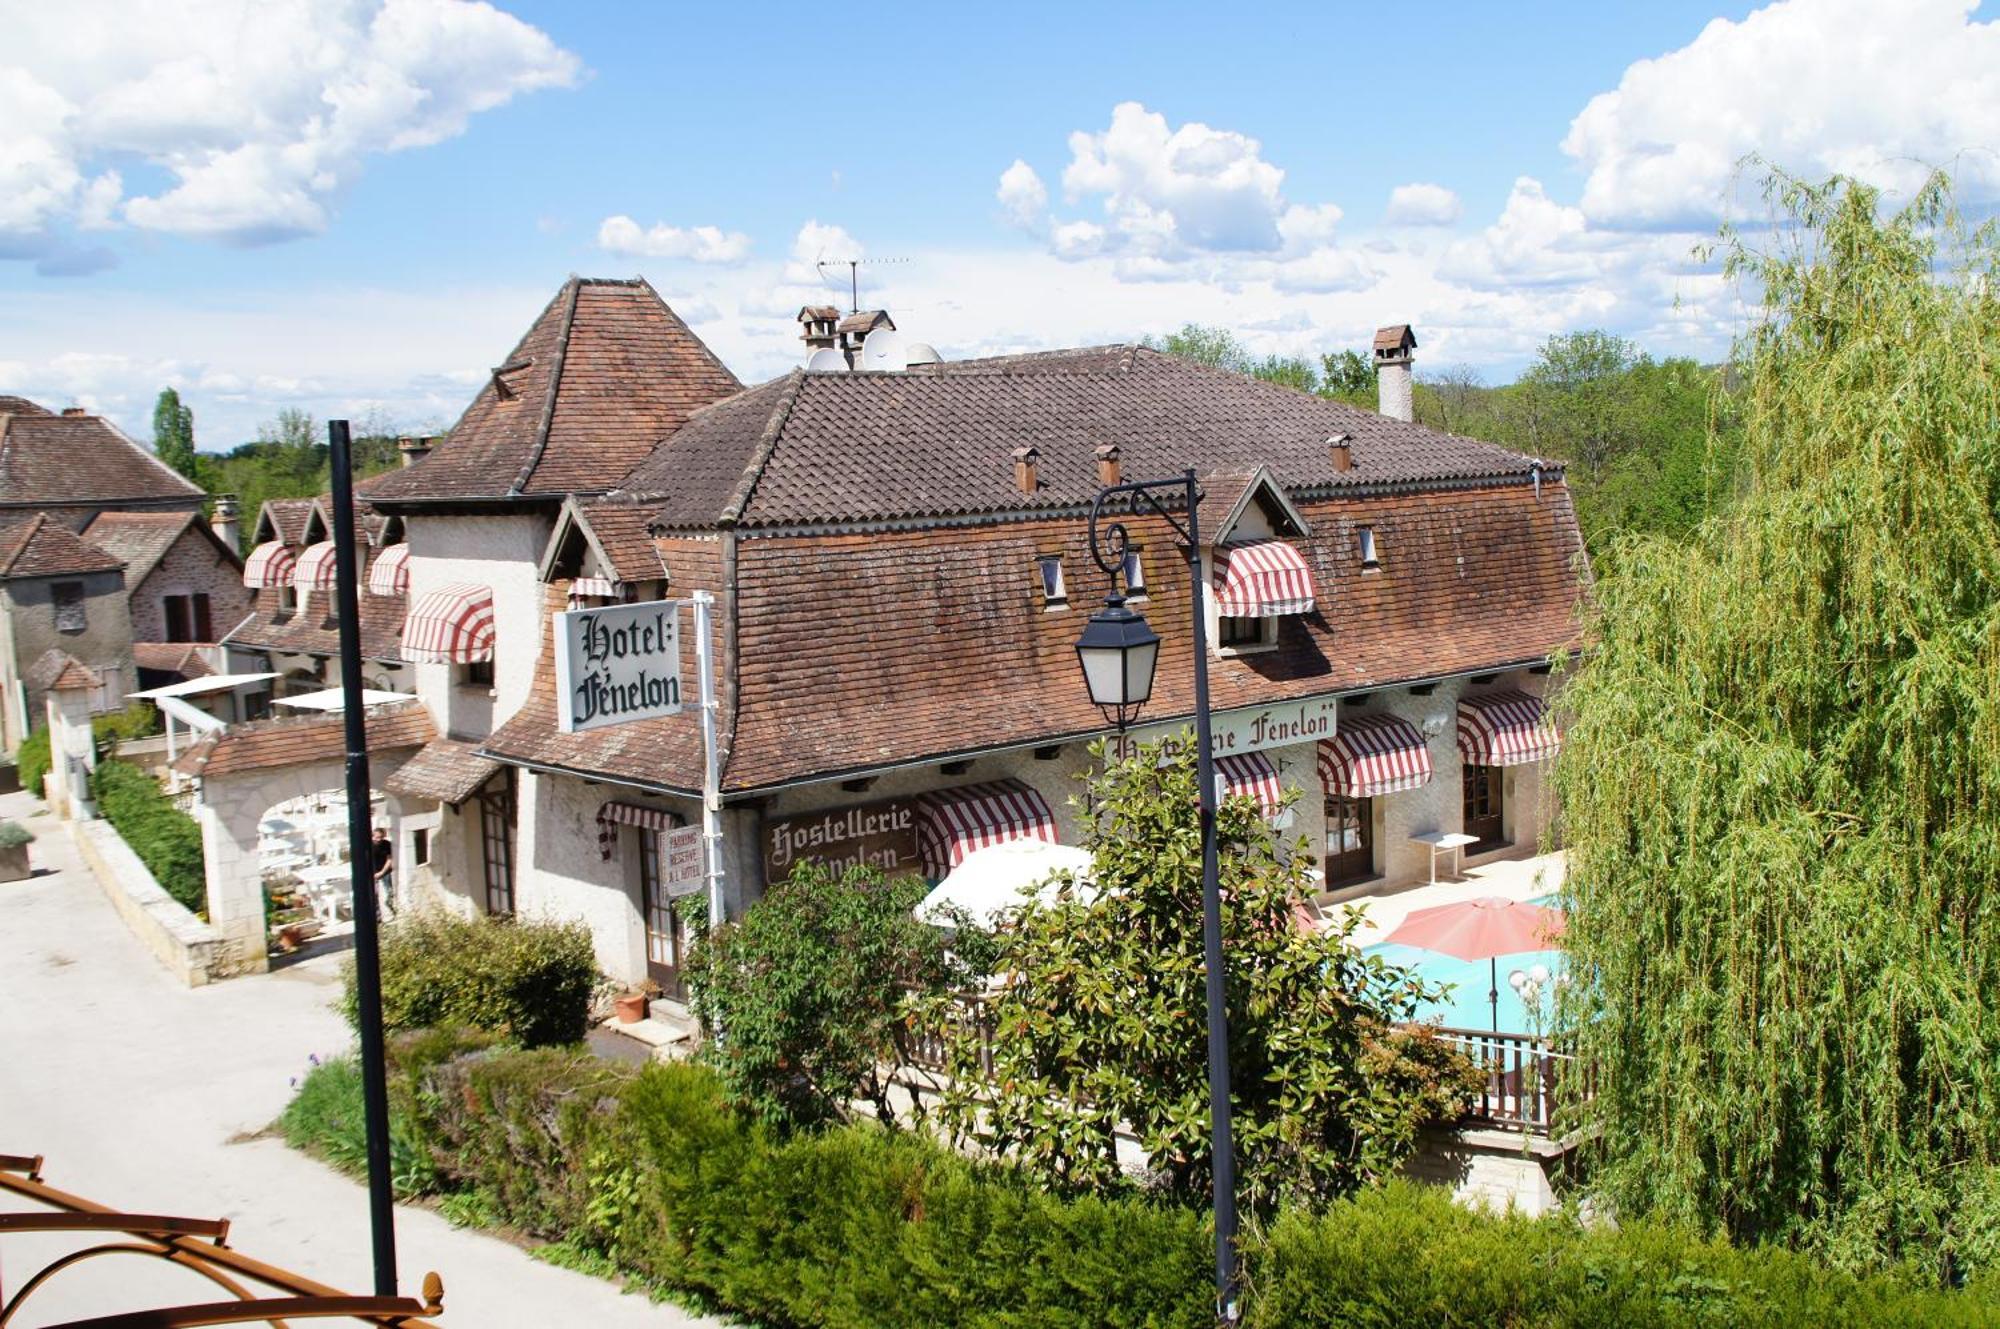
{"x": 1526, "y": 1081}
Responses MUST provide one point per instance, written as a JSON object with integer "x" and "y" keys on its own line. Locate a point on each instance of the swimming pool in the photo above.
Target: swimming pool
{"x": 1465, "y": 1006}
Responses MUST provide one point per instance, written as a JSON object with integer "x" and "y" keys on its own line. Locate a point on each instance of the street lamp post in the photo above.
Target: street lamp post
{"x": 1119, "y": 652}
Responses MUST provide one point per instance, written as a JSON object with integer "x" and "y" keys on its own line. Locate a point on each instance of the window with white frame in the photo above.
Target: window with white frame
{"x": 1371, "y": 560}
{"x": 1233, "y": 633}
{"x": 1049, "y": 576}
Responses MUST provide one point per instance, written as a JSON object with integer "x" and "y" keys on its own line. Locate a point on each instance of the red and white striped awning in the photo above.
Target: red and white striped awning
{"x": 1252, "y": 775}
{"x": 269, "y": 566}
{"x": 1372, "y": 755}
{"x": 598, "y": 586}
{"x": 450, "y": 625}
{"x": 315, "y": 569}
{"x": 1504, "y": 729}
{"x": 615, "y": 814}
{"x": 1259, "y": 578}
{"x": 389, "y": 574}
{"x": 951, "y": 823}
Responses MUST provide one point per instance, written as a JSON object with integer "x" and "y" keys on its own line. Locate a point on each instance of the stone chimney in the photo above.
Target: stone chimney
{"x": 1107, "y": 464}
{"x": 1024, "y": 468}
{"x": 1342, "y": 448}
{"x": 816, "y": 324}
{"x": 74, "y": 412}
{"x": 414, "y": 450}
{"x": 222, "y": 519}
{"x": 1394, "y": 393}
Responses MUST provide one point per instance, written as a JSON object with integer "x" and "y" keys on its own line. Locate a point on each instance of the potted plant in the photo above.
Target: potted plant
{"x": 631, "y": 1007}
{"x": 14, "y": 841}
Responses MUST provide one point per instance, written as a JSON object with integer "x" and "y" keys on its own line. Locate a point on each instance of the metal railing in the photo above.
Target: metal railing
{"x": 927, "y": 1046}
{"x": 1526, "y": 1081}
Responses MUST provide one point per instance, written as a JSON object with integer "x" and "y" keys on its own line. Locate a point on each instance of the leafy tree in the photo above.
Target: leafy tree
{"x": 1218, "y": 348}
{"x": 173, "y": 433}
{"x": 1348, "y": 375}
{"x": 1102, "y": 1017}
{"x": 808, "y": 990}
{"x": 1781, "y": 780}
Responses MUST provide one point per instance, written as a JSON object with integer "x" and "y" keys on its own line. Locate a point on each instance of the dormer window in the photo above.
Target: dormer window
{"x": 1370, "y": 560}
{"x": 1049, "y": 576}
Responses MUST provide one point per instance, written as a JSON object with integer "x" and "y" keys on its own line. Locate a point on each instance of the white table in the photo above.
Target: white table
{"x": 1445, "y": 840}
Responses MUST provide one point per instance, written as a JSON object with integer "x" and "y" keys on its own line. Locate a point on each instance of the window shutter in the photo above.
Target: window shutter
{"x": 204, "y": 625}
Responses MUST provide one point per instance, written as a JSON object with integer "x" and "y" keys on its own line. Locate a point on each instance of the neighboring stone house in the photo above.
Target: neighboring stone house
{"x": 184, "y": 583}
{"x": 74, "y": 465}
{"x": 900, "y": 569}
{"x": 61, "y": 594}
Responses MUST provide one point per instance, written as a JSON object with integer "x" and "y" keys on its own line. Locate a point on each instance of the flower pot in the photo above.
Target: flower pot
{"x": 631, "y": 1008}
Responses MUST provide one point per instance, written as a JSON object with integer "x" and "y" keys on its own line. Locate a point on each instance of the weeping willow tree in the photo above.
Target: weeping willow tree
{"x": 1781, "y": 776}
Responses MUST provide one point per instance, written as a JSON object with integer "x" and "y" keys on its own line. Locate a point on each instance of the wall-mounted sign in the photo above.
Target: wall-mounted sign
{"x": 680, "y": 861}
{"x": 617, "y": 664}
{"x": 1260, "y": 727}
{"x": 877, "y": 835}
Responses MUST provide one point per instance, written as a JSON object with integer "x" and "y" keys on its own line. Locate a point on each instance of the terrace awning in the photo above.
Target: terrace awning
{"x": 450, "y": 625}
{"x": 1252, "y": 775}
{"x": 616, "y": 813}
{"x": 951, "y": 823}
{"x": 315, "y": 568}
{"x": 269, "y": 567}
{"x": 1261, "y": 578}
{"x": 1504, "y": 729}
{"x": 390, "y": 573}
{"x": 1372, "y": 755}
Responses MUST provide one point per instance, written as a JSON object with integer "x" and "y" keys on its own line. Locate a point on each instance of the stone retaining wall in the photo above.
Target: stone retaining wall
{"x": 191, "y": 950}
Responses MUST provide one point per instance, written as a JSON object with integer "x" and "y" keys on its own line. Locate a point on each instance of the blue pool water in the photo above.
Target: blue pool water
{"x": 1465, "y": 1006}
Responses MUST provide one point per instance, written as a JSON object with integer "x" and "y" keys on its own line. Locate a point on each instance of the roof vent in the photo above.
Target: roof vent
{"x": 1024, "y": 468}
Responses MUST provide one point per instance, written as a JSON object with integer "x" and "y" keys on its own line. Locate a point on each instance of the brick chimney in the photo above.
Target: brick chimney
{"x": 414, "y": 450}
{"x": 1394, "y": 392}
{"x": 222, "y": 519}
{"x": 74, "y": 412}
{"x": 1107, "y": 464}
{"x": 1024, "y": 468}
{"x": 1342, "y": 448}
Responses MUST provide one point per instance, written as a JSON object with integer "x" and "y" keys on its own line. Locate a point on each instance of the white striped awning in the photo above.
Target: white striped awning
{"x": 1372, "y": 755}
{"x": 1504, "y": 729}
{"x": 1252, "y": 775}
{"x": 389, "y": 574}
{"x": 450, "y": 625}
{"x": 602, "y": 587}
{"x": 616, "y": 813}
{"x": 1260, "y": 578}
{"x": 269, "y": 566}
{"x": 315, "y": 569}
{"x": 951, "y": 823}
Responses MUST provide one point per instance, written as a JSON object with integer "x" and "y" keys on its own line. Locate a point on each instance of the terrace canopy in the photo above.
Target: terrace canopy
{"x": 1506, "y": 728}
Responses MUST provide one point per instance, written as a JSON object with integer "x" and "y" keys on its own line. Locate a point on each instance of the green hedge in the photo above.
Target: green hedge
{"x": 651, "y": 1174}
{"x": 166, "y": 839}
{"x": 527, "y": 980}
{"x": 32, "y": 759}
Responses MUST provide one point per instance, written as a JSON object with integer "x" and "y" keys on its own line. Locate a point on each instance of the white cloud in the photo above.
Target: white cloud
{"x": 257, "y": 116}
{"x": 1204, "y": 188}
{"x": 1880, "y": 92}
{"x": 1308, "y": 226}
{"x": 1326, "y": 270}
{"x": 1536, "y": 242}
{"x": 1077, "y": 239}
{"x": 1423, "y": 205}
{"x": 702, "y": 244}
{"x": 1023, "y": 196}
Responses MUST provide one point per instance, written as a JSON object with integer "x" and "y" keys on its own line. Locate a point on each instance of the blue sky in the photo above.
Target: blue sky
{"x": 355, "y": 208}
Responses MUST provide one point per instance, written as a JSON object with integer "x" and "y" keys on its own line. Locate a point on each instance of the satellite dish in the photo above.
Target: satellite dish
{"x": 826, "y": 361}
{"x": 923, "y": 353}
{"x": 884, "y": 348}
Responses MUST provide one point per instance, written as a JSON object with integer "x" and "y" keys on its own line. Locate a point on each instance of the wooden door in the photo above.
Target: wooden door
{"x": 496, "y": 837}
{"x": 1350, "y": 839}
{"x": 666, "y": 934}
{"x": 1482, "y": 807}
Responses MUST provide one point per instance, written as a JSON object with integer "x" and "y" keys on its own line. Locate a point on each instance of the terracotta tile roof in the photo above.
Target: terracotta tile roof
{"x": 620, "y": 531}
{"x": 937, "y": 441}
{"x": 56, "y": 670}
{"x": 171, "y": 657}
{"x": 866, "y": 650}
{"x": 142, "y": 539}
{"x": 1392, "y": 337}
{"x": 444, "y": 770}
{"x": 39, "y": 547}
{"x": 605, "y": 373}
{"x": 284, "y": 520}
{"x": 72, "y": 459}
{"x": 11, "y": 405}
{"x": 315, "y": 630}
{"x": 293, "y": 741}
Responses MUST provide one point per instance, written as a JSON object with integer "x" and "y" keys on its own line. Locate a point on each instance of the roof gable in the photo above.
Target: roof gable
{"x": 615, "y": 535}
{"x": 39, "y": 547}
{"x": 142, "y": 539}
{"x": 1236, "y": 492}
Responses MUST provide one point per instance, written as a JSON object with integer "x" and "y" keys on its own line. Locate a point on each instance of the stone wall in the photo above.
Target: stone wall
{"x": 104, "y": 643}
{"x": 191, "y": 950}
{"x": 193, "y": 565}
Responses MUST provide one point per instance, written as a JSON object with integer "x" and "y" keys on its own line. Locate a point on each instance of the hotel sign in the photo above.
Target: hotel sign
{"x": 876, "y": 835}
{"x": 617, "y": 664}
{"x": 1260, "y": 727}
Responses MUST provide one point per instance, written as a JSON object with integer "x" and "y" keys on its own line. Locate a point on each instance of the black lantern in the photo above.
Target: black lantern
{"x": 1118, "y": 652}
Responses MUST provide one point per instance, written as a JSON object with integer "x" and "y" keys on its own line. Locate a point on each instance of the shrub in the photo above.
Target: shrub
{"x": 32, "y": 760}
{"x": 136, "y": 721}
{"x": 326, "y": 1120}
{"x": 166, "y": 839}
{"x": 527, "y": 980}
{"x": 13, "y": 835}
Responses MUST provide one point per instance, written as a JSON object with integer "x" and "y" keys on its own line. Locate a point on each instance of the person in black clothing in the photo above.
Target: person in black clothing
{"x": 383, "y": 859}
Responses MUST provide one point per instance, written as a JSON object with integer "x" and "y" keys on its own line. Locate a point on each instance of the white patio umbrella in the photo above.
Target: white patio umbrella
{"x": 990, "y": 881}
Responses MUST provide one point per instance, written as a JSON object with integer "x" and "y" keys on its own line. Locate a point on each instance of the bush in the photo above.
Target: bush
{"x": 32, "y": 760}
{"x": 529, "y": 981}
{"x": 13, "y": 835}
{"x": 326, "y": 1120}
{"x": 652, "y": 1174}
{"x": 136, "y": 721}
{"x": 166, "y": 839}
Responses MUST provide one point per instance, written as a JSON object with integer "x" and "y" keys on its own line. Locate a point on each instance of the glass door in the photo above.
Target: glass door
{"x": 1483, "y": 808}
{"x": 1350, "y": 839}
{"x": 666, "y": 934}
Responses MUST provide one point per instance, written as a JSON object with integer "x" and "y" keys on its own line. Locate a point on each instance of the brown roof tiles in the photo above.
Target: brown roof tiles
{"x": 38, "y": 546}
{"x": 444, "y": 770}
{"x": 171, "y": 657}
{"x": 56, "y": 670}
{"x": 142, "y": 539}
{"x": 293, "y": 741}
{"x": 81, "y": 459}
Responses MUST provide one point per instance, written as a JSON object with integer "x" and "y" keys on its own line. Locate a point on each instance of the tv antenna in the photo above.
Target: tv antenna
{"x": 853, "y": 266}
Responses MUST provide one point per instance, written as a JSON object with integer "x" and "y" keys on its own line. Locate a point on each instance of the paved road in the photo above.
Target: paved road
{"x": 136, "y": 1089}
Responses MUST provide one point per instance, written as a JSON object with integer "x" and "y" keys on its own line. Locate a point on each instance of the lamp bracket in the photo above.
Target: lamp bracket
{"x": 1110, "y": 549}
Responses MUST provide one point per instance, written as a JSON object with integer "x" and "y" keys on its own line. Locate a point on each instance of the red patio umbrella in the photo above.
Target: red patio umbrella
{"x": 1482, "y": 929}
